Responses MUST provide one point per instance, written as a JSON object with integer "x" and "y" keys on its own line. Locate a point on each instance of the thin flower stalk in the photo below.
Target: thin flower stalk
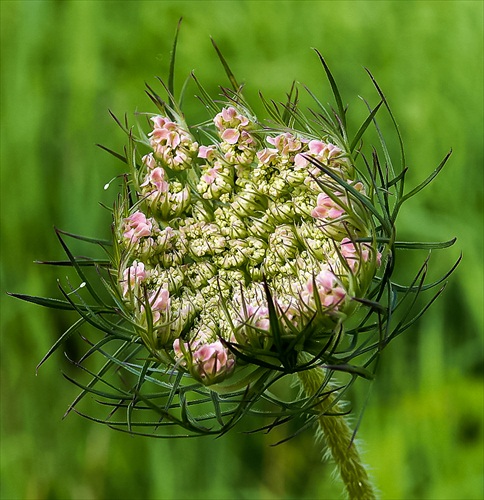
{"x": 339, "y": 438}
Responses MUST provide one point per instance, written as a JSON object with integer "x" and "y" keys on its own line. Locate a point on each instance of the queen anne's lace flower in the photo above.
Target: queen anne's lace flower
{"x": 239, "y": 262}
{"x": 246, "y": 237}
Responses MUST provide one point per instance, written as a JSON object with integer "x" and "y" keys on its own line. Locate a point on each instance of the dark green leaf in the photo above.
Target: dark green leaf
{"x": 364, "y": 126}
{"x": 72, "y": 329}
{"x": 227, "y": 69}
{"x": 428, "y": 180}
{"x": 337, "y": 96}
{"x": 171, "y": 74}
{"x": 111, "y": 152}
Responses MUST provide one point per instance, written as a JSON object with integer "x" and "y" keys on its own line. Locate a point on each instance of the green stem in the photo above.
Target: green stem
{"x": 339, "y": 438}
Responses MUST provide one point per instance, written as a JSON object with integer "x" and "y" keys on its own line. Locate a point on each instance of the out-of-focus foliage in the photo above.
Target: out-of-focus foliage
{"x": 64, "y": 64}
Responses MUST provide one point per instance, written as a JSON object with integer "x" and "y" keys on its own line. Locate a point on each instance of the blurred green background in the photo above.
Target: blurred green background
{"x": 65, "y": 63}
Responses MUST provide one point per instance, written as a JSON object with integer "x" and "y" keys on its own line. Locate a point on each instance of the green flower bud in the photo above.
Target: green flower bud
{"x": 231, "y": 225}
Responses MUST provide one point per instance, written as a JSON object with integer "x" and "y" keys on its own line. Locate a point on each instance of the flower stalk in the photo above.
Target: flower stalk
{"x": 338, "y": 437}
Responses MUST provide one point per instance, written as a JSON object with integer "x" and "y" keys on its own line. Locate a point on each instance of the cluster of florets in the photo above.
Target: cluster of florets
{"x": 230, "y": 240}
{"x": 172, "y": 144}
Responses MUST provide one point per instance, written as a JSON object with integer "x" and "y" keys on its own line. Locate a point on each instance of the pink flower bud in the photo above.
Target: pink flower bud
{"x": 331, "y": 293}
{"x": 206, "y": 152}
{"x": 316, "y": 147}
{"x": 156, "y": 178}
{"x": 160, "y": 300}
{"x": 285, "y": 143}
{"x": 159, "y": 121}
{"x": 136, "y": 226}
{"x": 300, "y": 161}
{"x": 149, "y": 161}
{"x": 258, "y": 316}
{"x": 228, "y": 114}
{"x": 133, "y": 275}
{"x": 208, "y": 362}
{"x": 267, "y": 155}
{"x": 211, "y": 360}
{"x": 326, "y": 208}
{"x": 323, "y": 151}
{"x": 354, "y": 253}
{"x": 210, "y": 176}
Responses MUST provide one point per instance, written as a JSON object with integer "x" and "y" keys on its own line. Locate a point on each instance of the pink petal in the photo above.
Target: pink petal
{"x": 231, "y": 135}
{"x": 206, "y": 152}
{"x": 300, "y": 161}
{"x": 316, "y": 147}
{"x": 228, "y": 114}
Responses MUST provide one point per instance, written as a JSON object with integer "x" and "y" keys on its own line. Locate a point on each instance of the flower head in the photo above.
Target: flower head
{"x": 266, "y": 251}
{"x": 172, "y": 145}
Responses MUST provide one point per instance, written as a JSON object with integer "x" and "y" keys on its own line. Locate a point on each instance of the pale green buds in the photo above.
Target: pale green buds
{"x": 243, "y": 240}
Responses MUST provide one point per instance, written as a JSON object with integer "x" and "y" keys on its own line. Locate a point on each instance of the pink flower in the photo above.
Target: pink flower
{"x": 210, "y": 176}
{"x": 133, "y": 275}
{"x": 165, "y": 133}
{"x": 159, "y": 302}
{"x": 173, "y": 139}
{"x": 208, "y": 362}
{"x": 167, "y": 136}
{"x": 159, "y": 121}
{"x": 230, "y": 118}
{"x": 228, "y": 114}
{"x": 149, "y": 161}
{"x": 321, "y": 151}
{"x": 258, "y": 316}
{"x": 326, "y": 208}
{"x": 212, "y": 360}
{"x": 180, "y": 158}
{"x": 266, "y": 155}
{"x": 231, "y": 135}
{"x": 285, "y": 143}
{"x": 316, "y": 147}
{"x": 156, "y": 178}
{"x": 300, "y": 161}
{"x": 136, "y": 226}
{"x": 353, "y": 254}
{"x": 177, "y": 349}
{"x": 206, "y": 152}
{"x": 330, "y": 292}
{"x": 245, "y": 138}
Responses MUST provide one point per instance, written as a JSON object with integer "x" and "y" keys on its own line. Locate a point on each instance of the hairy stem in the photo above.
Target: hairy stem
{"x": 338, "y": 438}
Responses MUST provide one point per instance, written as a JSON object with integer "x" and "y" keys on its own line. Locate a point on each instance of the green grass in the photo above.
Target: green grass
{"x": 64, "y": 64}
